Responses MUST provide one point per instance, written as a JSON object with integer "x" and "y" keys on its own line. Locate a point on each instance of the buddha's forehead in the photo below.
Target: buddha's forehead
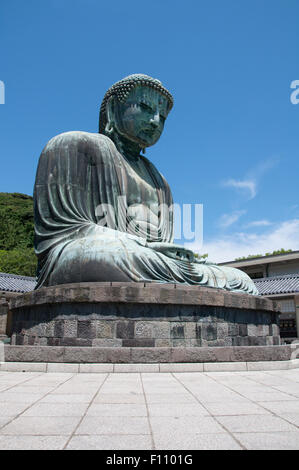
{"x": 148, "y": 95}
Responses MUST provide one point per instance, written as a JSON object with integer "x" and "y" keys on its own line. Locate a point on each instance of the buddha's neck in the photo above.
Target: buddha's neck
{"x": 130, "y": 149}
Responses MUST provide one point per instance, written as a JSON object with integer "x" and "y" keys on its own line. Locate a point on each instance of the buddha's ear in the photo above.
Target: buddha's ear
{"x": 110, "y": 110}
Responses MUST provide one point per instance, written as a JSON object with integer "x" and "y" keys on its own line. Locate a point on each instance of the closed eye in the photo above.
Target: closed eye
{"x": 146, "y": 107}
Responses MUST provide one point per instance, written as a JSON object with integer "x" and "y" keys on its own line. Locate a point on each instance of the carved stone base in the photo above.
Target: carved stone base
{"x": 142, "y": 315}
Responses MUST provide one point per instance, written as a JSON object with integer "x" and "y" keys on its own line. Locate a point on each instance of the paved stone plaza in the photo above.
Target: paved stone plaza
{"x": 215, "y": 410}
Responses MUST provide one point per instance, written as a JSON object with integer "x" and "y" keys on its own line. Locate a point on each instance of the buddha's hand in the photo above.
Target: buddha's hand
{"x": 173, "y": 251}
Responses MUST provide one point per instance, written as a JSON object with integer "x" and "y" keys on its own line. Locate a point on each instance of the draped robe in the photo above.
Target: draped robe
{"x": 79, "y": 172}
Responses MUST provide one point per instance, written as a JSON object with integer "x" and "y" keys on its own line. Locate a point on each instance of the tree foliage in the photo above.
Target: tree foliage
{"x": 17, "y": 234}
{"x": 198, "y": 256}
{"x": 275, "y": 252}
{"x": 20, "y": 261}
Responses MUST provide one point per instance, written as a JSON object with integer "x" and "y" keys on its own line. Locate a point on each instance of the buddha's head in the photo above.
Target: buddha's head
{"x": 135, "y": 109}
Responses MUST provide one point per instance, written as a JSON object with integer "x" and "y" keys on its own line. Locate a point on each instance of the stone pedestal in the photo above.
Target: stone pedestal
{"x": 133, "y": 315}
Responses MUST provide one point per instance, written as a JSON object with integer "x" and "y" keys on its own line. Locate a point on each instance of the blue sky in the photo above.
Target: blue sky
{"x": 231, "y": 141}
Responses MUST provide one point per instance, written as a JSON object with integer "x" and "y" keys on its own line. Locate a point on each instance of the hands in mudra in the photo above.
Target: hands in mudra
{"x": 173, "y": 251}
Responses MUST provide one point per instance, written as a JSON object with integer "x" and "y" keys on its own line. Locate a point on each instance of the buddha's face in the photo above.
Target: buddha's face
{"x": 141, "y": 118}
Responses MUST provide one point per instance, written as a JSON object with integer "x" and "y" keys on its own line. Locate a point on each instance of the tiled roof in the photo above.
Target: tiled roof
{"x": 278, "y": 284}
{"x": 15, "y": 283}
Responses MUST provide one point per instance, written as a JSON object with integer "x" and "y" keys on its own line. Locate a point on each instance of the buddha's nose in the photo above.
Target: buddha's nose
{"x": 155, "y": 120}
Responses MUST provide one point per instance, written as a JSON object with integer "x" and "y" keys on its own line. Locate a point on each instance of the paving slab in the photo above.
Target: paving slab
{"x": 57, "y": 398}
{"x": 92, "y": 425}
{"x": 179, "y": 441}
{"x": 124, "y": 409}
{"x": 111, "y": 442}
{"x": 32, "y": 442}
{"x": 175, "y": 410}
{"x": 235, "y": 409}
{"x": 282, "y": 407}
{"x": 26, "y": 398}
{"x": 198, "y": 424}
{"x": 119, "y": 398}
{"x": 255, "y": 423}
{"x": 5, "y": 420}
{"x": 270, "y": 440}
{"x": 56, "y": 409}
{"x": 12, "y": 409}
{"x": 168, "y": 398}
{"x": 41, "y": 426}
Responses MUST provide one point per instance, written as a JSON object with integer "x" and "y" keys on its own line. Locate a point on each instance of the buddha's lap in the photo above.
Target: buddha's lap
{"x": 97, "y": 259}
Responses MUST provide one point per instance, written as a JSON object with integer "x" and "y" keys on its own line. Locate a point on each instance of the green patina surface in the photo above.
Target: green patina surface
{"x": 81, "y": 174}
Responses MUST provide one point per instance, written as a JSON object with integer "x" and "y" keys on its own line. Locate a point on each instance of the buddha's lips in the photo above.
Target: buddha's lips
{"x": 150, "y": 131}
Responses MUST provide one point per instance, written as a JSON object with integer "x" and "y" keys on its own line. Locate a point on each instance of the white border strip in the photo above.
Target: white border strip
{"x": 163, "y": 367}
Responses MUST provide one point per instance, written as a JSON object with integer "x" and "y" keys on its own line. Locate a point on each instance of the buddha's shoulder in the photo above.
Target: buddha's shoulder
{"x": 79, "y": 140}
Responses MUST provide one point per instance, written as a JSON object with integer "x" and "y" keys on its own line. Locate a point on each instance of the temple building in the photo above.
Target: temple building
{"x": 10, "y": 286}
{"x": 277, "y": 277}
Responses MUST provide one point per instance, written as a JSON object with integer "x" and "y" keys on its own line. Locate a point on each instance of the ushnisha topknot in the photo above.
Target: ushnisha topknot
{"x": 122, "y": 88}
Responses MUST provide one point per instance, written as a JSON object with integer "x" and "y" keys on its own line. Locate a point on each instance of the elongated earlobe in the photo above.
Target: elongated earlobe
{"x": 109, "y": 129}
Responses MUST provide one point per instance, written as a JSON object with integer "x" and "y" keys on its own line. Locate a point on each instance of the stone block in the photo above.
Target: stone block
{"x": 54, "y": 342}
{"x": 222, "y": 330}
{"x": 138, "y": 343}
{"x": 263, "y": 330}
{"x": 117, "y": 355}
{"x": 80, "y": 342}
{"x": 197, "y": 343}
{"x": 276, "y": 340}
{"x": 233, "y": 329}
{"x": 150, "y": 355}
{"x": 228, "y": 341}
{"x": 70, "y": 328}
{"x": 59, "y": 329}
{"x": 107, "y": 343}
{"x": 225, "y": 367}
{"x": 63, "y": 367}
{"x": 176, "y": 368}
{"x": 275, "y": 365}
{"x": 177, "y": 343}
{"x": 275, "y": 330}
{"x": 161, "y": 329}
{"x": 33, "y": 354}
{"x": 131, "y": 368}
{"x": 95, "y": 368}
{"x": 209, "y": 332}
{"x": 190, "y": 329}
{"x": 143, "y": 329}
{"x": 105, "y": 329}
{"x": 25, "y": 367}
{"x": 252, "y": 330}
{"x": 217, "y": 343}
{"x": 162, "y": 343}
{"x": 243, "y": 331}
{"x": 86, "y": 329}
{"x": 125, "y": 329}
{"x": 177, "y": 330}
{"x": 85, "y": 355}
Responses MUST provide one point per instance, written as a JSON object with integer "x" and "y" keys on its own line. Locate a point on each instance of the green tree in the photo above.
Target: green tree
{"x": 275, "y": 252}
{"x": 18, "y": 261}
{"x": 17, "y": 234}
